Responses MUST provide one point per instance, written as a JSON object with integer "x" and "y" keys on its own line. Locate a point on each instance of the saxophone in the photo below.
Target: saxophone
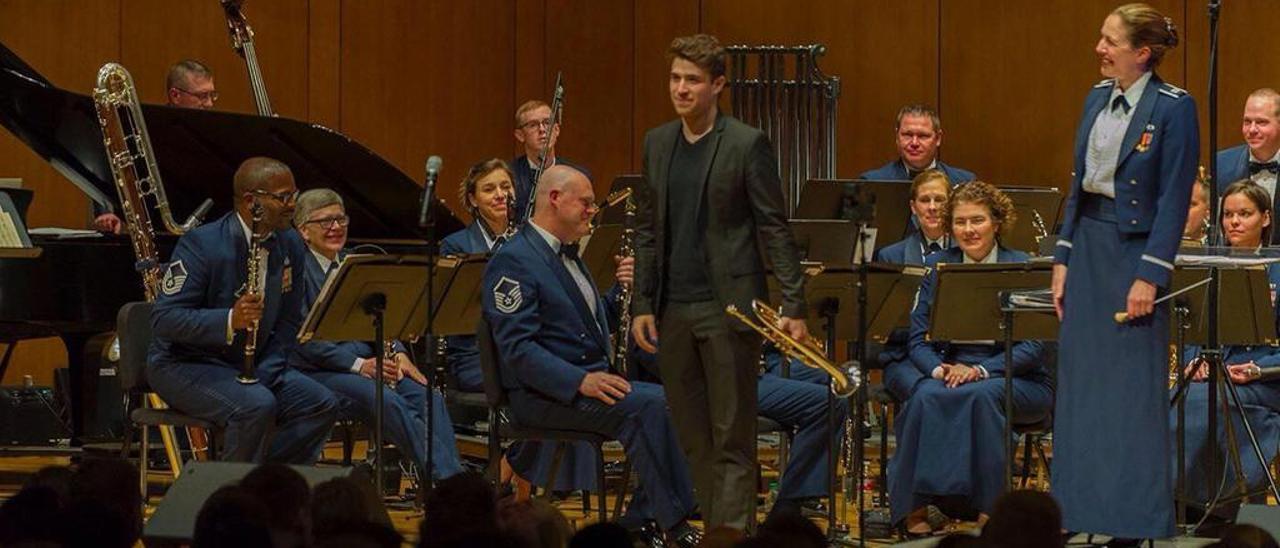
{"x": 626, "y": 248}
{"x": 248, "y": 369}
{"x": 133, "y": 168}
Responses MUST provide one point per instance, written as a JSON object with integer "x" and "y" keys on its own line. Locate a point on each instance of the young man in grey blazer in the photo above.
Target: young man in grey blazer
{"x": 711, "y": 201}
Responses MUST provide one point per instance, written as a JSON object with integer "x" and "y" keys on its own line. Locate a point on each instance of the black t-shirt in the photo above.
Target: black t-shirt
{"x": 687, "y": 277}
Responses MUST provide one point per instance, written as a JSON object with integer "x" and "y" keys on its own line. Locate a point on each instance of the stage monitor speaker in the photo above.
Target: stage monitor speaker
{"x": 174, "y": 520}
{"x": 1261, "y": 515}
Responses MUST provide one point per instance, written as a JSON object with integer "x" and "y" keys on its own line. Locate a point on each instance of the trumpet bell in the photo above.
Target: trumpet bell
{"x": 845, "y": 378}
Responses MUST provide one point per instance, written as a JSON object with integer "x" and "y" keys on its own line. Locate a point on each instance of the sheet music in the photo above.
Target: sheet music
{"x": 8, "y": 231}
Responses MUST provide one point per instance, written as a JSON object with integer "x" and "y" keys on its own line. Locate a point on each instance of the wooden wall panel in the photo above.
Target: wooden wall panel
{"x": 599, "y": 82}
{"x": 884, "y": 52}
{"x": 1013, "y": 83}
{"x": 657, "y": 22}
{"x": 423, "y": 78}
{"x": 152, "y": 40}
{"x": 1248, "y": 36}
{"x": 92, "y": 38}
{"x": 324, "y": 39}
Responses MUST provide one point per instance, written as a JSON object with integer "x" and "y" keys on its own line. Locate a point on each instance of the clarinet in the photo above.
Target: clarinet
{"x": 248, "y": 370}
{"x": 627, "y": 249}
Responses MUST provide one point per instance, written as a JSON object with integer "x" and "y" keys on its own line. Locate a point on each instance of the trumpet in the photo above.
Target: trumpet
{"x": 845, "y": 378}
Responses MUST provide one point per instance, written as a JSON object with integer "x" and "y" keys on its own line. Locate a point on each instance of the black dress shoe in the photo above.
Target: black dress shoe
{"x": 650, "y": 536}
{"x": 684, "y": 536}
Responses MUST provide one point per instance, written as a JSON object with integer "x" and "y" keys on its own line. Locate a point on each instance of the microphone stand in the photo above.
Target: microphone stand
{"x": 427, "y": 222}
{"x": 1212, "y": 353}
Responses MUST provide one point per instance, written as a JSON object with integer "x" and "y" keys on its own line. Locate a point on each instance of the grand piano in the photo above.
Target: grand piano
{"x": 74, "y": 289}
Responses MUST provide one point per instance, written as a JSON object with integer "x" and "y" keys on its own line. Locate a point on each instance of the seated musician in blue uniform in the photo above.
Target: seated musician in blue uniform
{"x": 929, "y": 191}
{"x": 1246, "y": 224}
{"x": 485, "y": 192}
{"x": 950, "y": 449}
{"x": 534, "y": 128}
{"x": 349, "y": 368}
{"x": 552, "y": 333}
{"x": 203, "y": 311}
{"x": 1258, "y": 159}
{"x": 918, "y": 134}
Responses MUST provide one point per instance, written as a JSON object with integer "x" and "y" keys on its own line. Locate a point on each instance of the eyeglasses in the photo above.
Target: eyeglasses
{"x": 210, "y": 96}
{"x": 286, "y": 197}
{"x": 329, "y": 223}
{"x": 544, "y": 123}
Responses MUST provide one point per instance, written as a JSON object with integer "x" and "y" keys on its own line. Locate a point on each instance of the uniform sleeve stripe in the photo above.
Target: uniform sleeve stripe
{"x": 1064, "y": 243}
{"x": 1154, "y": 260}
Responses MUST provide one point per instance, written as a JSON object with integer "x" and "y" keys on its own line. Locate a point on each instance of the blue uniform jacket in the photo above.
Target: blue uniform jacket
{"x": 1156, "y": 170}
{"x": 1233, "y": 165}
{"x": 545, "y": 333}
{"x": 926, "y": 355}
{"x": 208, "y": 268}
{"x": 524, "y": 181}
{"x": 461, "y": 352}
{"x": 904, "y": 251}
{"x": 326, "y": 355}
{"x": 897, "y": 171}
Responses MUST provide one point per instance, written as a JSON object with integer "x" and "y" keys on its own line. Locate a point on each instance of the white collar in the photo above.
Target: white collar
{"x": 1131, "y": 95}
{"x": 932, "y": 165}
{"x": 247, "y": 234}
{"x": 992, "y": 257}
{"x": 550, "y": 238}
{"x": 324, "y": 261}
{"x": 550, "y": 161}
{"x": 1275, "y": 158}
{"x": 941, "y": 241}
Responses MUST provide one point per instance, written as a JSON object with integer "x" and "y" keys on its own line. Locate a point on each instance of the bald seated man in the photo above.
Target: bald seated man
{"x": 552, "y": 329}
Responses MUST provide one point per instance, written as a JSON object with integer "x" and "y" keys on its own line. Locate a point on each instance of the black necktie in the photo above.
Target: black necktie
{"x": 1120, "y": 102}
{"x": 569, "y": 250}
{"x": 911, "y": 174}
{"x": 1255, "y": 167}
{"x": 332, "y": 267}
{"x": 933, "y": 248}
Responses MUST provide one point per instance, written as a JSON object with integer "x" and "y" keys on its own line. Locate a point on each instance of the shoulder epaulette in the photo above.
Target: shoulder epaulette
{"x": 1172, "y": 90}
{"x": 1105, "y": 83}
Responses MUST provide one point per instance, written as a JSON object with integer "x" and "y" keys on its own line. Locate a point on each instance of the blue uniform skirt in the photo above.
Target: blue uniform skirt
{"x": 1111, "y": 437}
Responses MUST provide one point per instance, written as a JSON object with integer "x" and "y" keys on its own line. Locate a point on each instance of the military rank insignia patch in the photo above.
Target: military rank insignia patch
{"x": 174, "y": 278}
{"x": 506, "y": 295}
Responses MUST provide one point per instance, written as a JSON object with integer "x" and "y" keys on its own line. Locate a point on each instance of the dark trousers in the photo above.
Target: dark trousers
{"x": 709, "y": 370}
{"x": 285, "y": 418}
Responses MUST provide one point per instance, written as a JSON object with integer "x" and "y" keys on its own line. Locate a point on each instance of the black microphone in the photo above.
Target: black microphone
{"x": 428, "y": 190}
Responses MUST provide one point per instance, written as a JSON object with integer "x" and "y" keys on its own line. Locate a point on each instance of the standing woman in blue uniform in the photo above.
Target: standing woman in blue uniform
{"x": 1135, "y": 163}
{"x": 1246, "y": 223}
{"x": 949, "y": 429}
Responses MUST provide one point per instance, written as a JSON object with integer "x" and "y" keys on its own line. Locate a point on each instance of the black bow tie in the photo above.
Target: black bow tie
{"x": 1120, "y": 102}
{"x": 934, "y": 248}
{"x": 1255, "y": 167}
{"x": 569, "y": 250}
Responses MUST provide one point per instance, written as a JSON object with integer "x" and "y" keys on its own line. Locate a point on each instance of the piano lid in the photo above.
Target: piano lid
{"x": 198, "y": 152}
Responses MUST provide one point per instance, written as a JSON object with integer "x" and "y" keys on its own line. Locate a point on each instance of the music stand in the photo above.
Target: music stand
{"x": 968, "y": 305}
{"x": 459, "y": 285}
{"x": 1038, "y": 208}
{"x": 885, "y": 205}
{"x": 598, "y": 252}
{"x": 366, "y": 297}
{"x": 1245, "y": 317}
{"x": 15, "y": 243}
